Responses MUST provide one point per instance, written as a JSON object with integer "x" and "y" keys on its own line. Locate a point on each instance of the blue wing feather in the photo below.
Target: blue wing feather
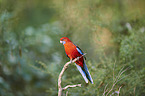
{"x": 80, "y": 51}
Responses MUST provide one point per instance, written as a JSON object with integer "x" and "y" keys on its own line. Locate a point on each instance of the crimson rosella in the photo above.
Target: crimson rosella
{"x": 73, "y": 51}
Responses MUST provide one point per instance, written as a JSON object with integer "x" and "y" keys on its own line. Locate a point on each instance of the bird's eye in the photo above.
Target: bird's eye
{"x": 62, "y": 39}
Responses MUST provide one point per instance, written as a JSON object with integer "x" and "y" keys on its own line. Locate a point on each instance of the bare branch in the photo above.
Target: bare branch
{"x": 105, "y": 90}
{"x": 119, "y": 74}
{"x": 118, "y": 79}
{"x": 68, "y": 86}
{"x": 66, "y": 93}
{"x": 134, "y": 90}
{"x": 119, "y": 90}
{"x": 113, "y": 69}
{"x": 61, "y": 73}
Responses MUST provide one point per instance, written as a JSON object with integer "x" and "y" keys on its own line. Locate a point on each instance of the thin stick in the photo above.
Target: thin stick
{"x": 113, "y": 69}
{"x": 119, "y": 90}
{"x": 61, "y": 73}
{"x": 105, "y": 90}
{"x": 117, "y": 79}
{"x": 66, "y": 93}
{"x": 70, "y": 86}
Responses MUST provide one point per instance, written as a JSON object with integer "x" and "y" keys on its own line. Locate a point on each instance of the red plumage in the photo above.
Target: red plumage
{"x": 71, "y": 51}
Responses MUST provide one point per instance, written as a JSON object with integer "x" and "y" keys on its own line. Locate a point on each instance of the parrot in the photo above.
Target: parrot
{"x": 73, "y": 51}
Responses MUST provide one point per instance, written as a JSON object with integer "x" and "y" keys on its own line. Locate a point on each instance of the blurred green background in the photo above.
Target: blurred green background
{"x": 111, "y": 32}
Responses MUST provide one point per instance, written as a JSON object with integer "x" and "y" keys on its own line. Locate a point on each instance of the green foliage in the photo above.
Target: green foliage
{"x": 112, "y": 33}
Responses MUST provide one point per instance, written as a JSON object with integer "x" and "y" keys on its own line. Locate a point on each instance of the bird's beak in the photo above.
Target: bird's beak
{"x": 61, "y": 41}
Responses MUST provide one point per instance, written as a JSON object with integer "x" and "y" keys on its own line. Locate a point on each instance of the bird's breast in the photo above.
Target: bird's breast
{"x": 71, "y": 50}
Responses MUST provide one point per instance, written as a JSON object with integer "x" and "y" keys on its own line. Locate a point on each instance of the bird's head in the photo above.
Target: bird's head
{"x": 63, "y": 40}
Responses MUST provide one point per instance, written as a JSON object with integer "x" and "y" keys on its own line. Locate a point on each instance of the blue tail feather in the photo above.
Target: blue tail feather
{"x": 82, "y": 72}
{"x": 85, "y": 73}
{"x": 88, "y": 75}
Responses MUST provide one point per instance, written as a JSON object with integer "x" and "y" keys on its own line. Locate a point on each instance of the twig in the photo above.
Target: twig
{"x": 66, "y": 93}
{"x": 79, "y": 85}
{"x": 113, "y": 69}
{"x": 118, "y": 79}
{"x": 119, "y": 74}
{"x": 105, "y": 90}
{"x": 119, "y": 90}
{"x": 61, "y": 73}
{"x": 134, "y": 90}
